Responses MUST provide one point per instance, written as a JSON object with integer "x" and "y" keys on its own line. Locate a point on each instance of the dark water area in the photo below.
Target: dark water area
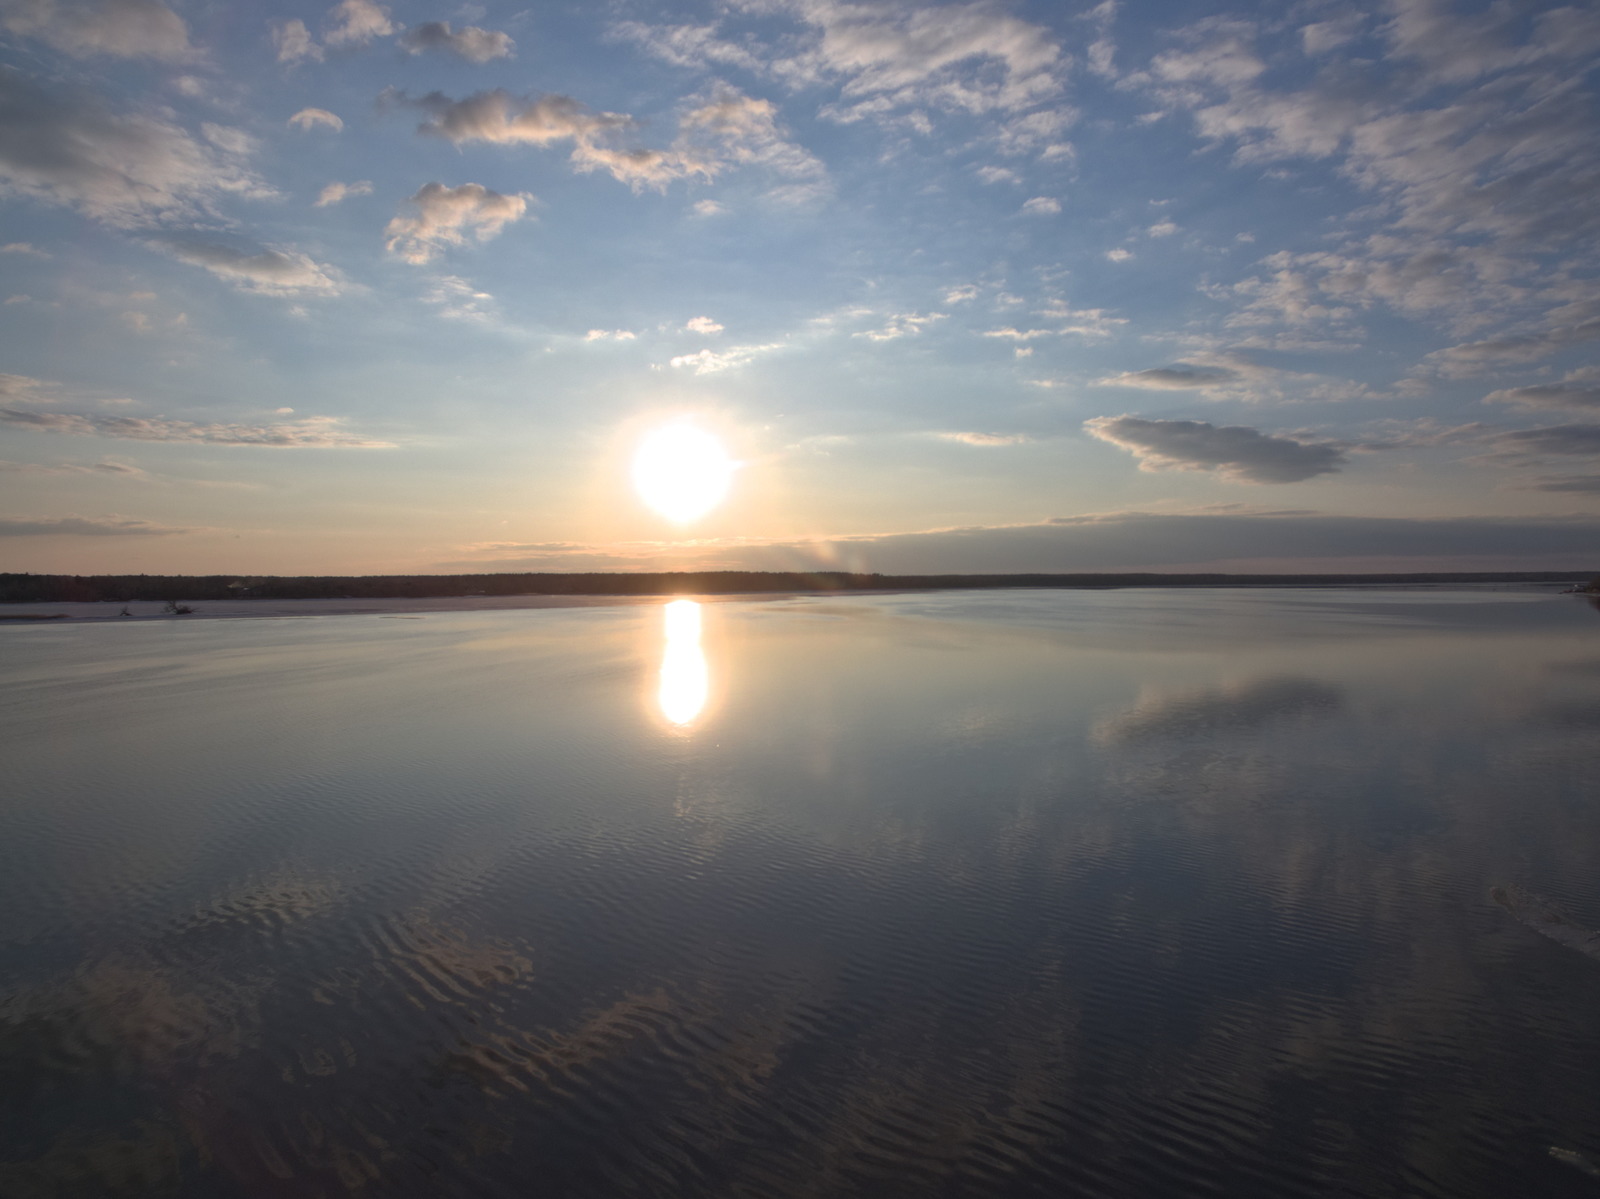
{"x": 1133, "y": 893}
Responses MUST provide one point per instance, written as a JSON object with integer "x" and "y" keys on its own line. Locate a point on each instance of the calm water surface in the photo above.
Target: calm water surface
{"x": 988, "y": 894}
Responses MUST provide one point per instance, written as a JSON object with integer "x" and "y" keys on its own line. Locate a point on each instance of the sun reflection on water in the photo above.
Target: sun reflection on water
{"x": 685, "y": 679}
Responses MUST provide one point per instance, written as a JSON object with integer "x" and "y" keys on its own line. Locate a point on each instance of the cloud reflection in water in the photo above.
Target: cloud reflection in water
{"x": 685, "y": 678}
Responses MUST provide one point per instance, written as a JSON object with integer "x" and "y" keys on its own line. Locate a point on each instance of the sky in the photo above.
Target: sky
{"x": 400, "y": 287}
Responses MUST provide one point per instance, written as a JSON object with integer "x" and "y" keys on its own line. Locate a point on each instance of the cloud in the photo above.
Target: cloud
{"x": 716, "y": 131}
{"x": 1527, "y": 445}
{"x": 613, "y": 335}
{"x": 312, "y": 432}
{"x": 310, "y": 118}
{"x": 1253, "y": 542}
{"x": 984, "y": 439}
{"x": 118, "y": 470}
{"x": 1162, "y": 229}
{"x": 993, "y": 175}
{"x": 1472, "y": 133}
{"x": 357, "y": 22}
{"x": 901, "y": 324}
{"x": 1238, "y": 453}
{"x": 1042, "y": 206}
{"x": 1010, "y": 334}
{"x": 21, "y": 389}
{"x": 335, "y": 193}
{"x": 1119, "y": 255}
{"x": 1579, "y": 389}
{"x": 707, "y": 208}
{"x": 702, "y": 324}
{"x": 891, "y": 63}
{"x": 1172, "y": 378}
{"x": 710, "y": 362}
{"x": 65, "y": 147}
{"x": 118, "y": 28}
{"x": 443, "y": 215}
{"x": 23, "y": 247}
{"x": 459, "y": 300}
{"x": 269, "y": 272}
{"x": 294, "y": 42}
{"x": 78, "y": 526}
{"x": 471, "y": 43}
{"x": 1565, "y": 485}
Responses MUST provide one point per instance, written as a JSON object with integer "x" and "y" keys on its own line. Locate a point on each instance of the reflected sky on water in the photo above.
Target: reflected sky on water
{"x": 1006, "y": 893}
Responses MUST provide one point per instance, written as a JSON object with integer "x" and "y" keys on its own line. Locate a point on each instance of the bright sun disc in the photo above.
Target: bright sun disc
{"x": 681, "y": 472}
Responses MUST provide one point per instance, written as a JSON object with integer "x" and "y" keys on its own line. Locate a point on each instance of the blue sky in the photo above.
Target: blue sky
{"x": 398, "y": 287}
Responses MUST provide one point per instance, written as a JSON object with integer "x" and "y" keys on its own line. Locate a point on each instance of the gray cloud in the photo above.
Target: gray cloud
{"x": 118, "y": 28}
{"x": 312, "y": 432}
{"x": 442, "y": 216}
{"x": 1558, "y": 440}
{"x": 116, "y": 470}
{"x": 1565, "y": 485}
{"x": 1580, "y": 389}
{"x": 66, "y": 147}
{"x": 269, "y": 272}
{"x": 1122, "y": 541}
{"x": 78, "y": 526}
{"x": 1239, "y": 453}
{"x": 1172, "y": 378}
{"x": 470, "y": 43}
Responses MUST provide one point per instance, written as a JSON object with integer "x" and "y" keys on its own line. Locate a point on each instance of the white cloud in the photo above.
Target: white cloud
{"x": 902, "y": 324}
{"x": 459, "y": 300}
{"x": 310, "y": 118}
{"x": 312, "y": 432}
{"x": 1238, "y": 453}
{"x": 1119, "y": 255}
{"x": 984, "y": 439}
{"x": 470, "y": 43}
{"x": 1162, "y": 229}
{"x": 702, "y": 324}
{"x": 294, "y": 42}
{"x": 337, "y": 192}
{"x": 612, "y": 334}
{"x": 1011, "y": 334}
{"x": 268, "y": 272}
{"x": 357, "y": 22}
{"x": 442, "y": 216}
{"x": 24, "y": 247}
{"x": 1042, "y": 206}
{"x": 118, "y": 28}
{"x": 709, "y": 208}
{"x": 998, "y": 175}
{"x": 962, "y": 294}
{"x": 68, "y": 148}
{"x": 709, "y": 362}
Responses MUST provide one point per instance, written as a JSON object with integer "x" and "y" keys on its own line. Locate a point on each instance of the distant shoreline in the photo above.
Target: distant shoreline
{"x": 254, "y": 594}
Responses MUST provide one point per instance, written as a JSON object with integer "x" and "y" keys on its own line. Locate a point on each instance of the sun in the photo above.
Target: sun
{"x": 682, "y": 472}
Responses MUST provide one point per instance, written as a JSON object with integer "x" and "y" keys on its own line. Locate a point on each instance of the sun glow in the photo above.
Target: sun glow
{"x": 685, "y": 679}
{"x": 682, "y": 472}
